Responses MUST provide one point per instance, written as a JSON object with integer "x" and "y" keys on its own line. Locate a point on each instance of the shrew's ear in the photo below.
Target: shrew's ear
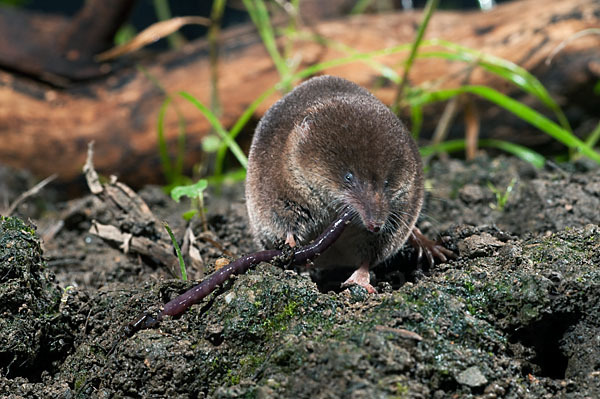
{"x": 304, "y": 128}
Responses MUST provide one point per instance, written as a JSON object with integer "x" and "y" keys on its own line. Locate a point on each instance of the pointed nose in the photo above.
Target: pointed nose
{"x": 374, "y": 226}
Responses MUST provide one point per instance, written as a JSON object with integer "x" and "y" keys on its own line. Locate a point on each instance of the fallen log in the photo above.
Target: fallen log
{"x": 46, "y": 129}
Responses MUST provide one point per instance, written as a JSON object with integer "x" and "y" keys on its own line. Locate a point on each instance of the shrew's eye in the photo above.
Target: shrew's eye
{"x": 349, "y": 178}
{"x": 386, "y": 183}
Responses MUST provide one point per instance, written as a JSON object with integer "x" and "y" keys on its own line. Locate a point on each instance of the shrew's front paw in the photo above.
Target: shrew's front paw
{"x": 431, "y": 249}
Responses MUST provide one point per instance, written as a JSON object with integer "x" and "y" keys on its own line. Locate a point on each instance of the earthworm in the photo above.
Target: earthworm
{"x": 195, "y": 294}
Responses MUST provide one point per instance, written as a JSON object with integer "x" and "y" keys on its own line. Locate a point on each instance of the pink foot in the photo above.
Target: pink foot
{"x": 290, "y": 240}
{"x": 360, "y": 277}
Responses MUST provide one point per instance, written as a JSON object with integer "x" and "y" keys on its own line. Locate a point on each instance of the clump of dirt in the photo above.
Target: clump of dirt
{"x": 514, "y": 316}
{"x": 33, "y": 332}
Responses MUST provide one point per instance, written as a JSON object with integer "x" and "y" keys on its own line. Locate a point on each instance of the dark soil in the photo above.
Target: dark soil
{"x": 515, "y": 315}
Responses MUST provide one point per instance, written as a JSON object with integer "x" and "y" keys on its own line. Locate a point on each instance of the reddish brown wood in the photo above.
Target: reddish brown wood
{"x": 55, "y": 49}
{"x": 47, "y": 130}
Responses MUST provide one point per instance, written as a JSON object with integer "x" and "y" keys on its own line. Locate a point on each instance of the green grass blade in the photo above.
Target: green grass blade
{"x": 178, "y": 251}
{"x": 430, "y": 7}
{"x": 524, "y": 153}
{"x": 516, "y": 75}
{"x": 216, "y": 124}
{"x": 321, "y": 66}
{"x": 446, "y": 146}
{"x": 213, "y": 34}
{"x": 173, "y": 174}
{"x": 239, "y": 125}
{"x": 506, "y": 69}
{"x": 383, "y": 69}
{"x": 594, "y": 136}
{"x": 292, "y": 9}
{"x": 249, "y": 111}
{"x": 416, "y": 117}
{"x": 260, "y": 17}
{"x": 360, "y": 7}
{"x": 522, "y": 111}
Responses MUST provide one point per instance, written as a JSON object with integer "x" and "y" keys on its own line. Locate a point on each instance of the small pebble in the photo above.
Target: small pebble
{"x": 472, "y": 377}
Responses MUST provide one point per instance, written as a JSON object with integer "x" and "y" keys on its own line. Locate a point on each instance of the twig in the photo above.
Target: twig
{"x": 91, "y": 176}
{"x": 31, "y": 192}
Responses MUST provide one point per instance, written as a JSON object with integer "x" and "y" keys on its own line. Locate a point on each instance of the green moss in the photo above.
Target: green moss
{"x": 401, "y": 391}
{"x": 15, "y": 224}
{"x": 281, "y": 321}
{"x": 232, "y": 377}
{"x": 80, "y": 381}
{"x": 252, "y": 362}
{"x": 267, "y": 305}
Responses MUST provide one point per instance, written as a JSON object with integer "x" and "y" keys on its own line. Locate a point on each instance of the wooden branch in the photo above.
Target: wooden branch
{"x": 57, "y": 50}
{"x": 46, "y": 130}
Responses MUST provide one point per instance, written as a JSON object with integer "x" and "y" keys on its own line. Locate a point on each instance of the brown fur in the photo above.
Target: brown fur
{"x": 301, "y": 154}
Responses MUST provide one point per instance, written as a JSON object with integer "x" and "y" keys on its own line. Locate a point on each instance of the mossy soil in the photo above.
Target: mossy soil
{"x": 515, "y": 315}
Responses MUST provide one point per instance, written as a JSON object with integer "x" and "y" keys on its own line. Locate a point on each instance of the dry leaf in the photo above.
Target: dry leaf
{"x": 151, "y": 34}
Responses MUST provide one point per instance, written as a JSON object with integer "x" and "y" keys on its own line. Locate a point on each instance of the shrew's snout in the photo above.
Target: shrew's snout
{"x": 374, "y": 226}
{"x": 373, "y": 211}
